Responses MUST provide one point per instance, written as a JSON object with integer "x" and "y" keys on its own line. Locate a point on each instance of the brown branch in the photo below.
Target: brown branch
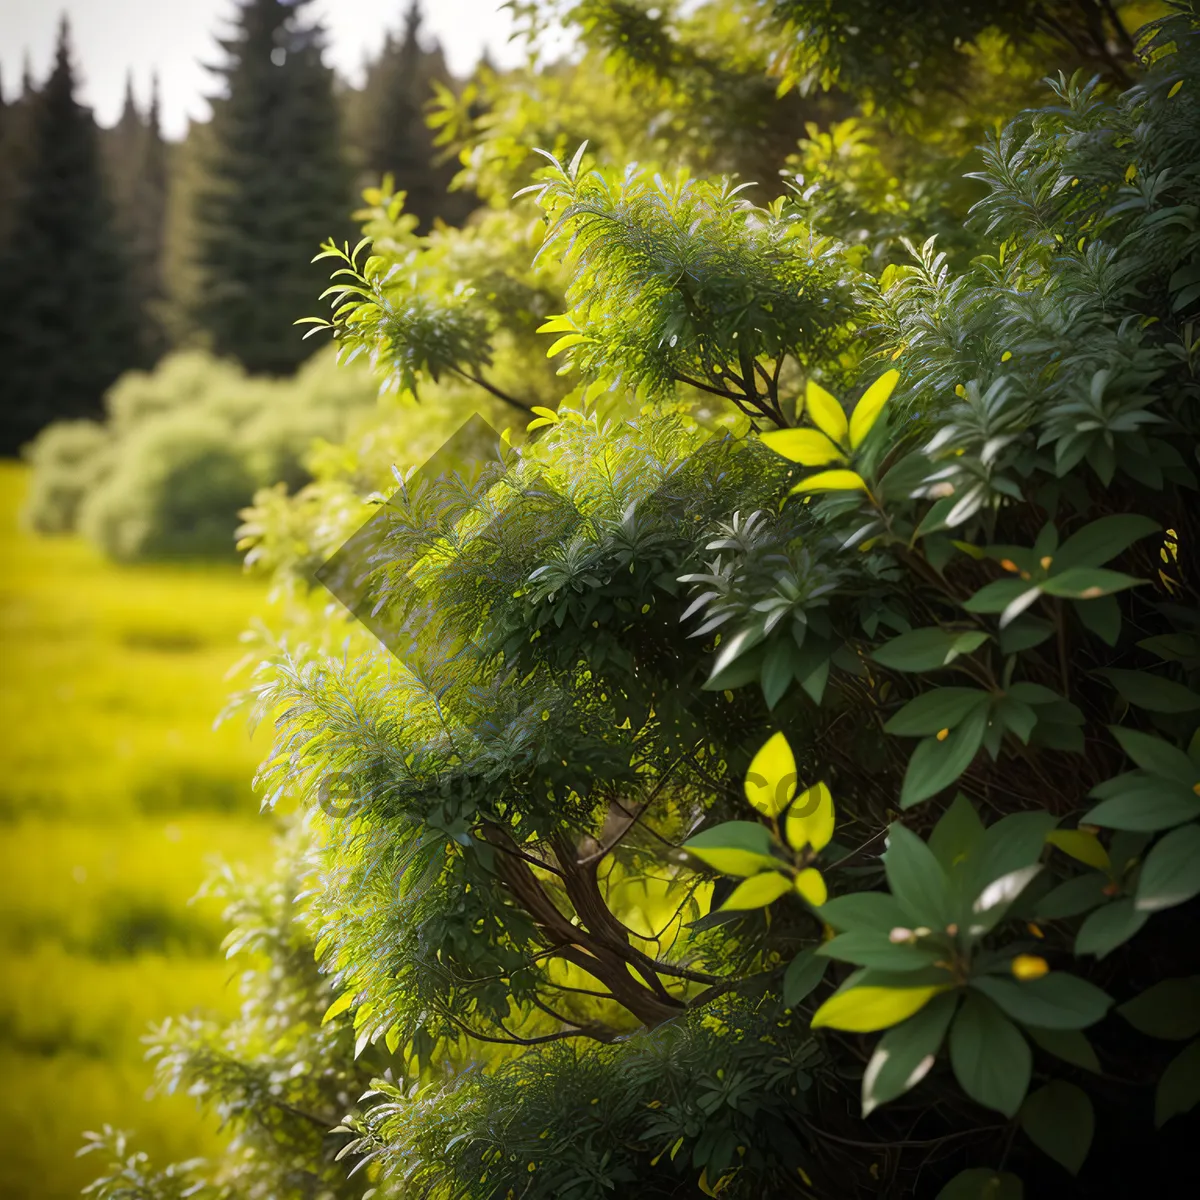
{"x": 492, "y": 389}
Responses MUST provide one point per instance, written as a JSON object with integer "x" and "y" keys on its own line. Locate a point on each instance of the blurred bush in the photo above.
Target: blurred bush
{"x": 183, "y": 449}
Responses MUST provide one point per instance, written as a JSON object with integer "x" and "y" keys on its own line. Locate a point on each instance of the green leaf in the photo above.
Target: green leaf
{"x": 997, "y": 596}
{"x": 936, "y": 763}
{"x": 1086, "y": 583}
{"x": 998, "y": 897}
{"x": 1102, "y": 617}
{"x": 1146, "y": 805}
{"x": 1171, "y": 873}
{"x": 926, "y": 649}
{"x": 1068, "y": 1044}
{"x": 1060, "y": 1122}
{"x": 1055, "y": 1001}
{"x": 342, "y": 1004}
{"x": 982, "y": 1183}
{"x": 1179, "y": 1088}
{"x": 1151, "y": 692}
{"x": 906, "y": 1053}
{"x": 1102, "y": 540}
{"x": 804, "y": 972}
{"x": 871, "y": 948}
{"x": 734, "y": 848}
{"x": 916, "y": 879}
{"x": 1024, "y": 633}
{"x": 1156, "y": 756}
{"x": 1013, "y": 842}
{"x": 992, "y": 1061}
{"x": 957, "y": 836}
{"x": 863, "y": 910}
{"x": 1073, "y": 897}
{"x": 1109, "y": 927}
{"x": 1170, "y": 1009}
{"x": 931, "y": 712}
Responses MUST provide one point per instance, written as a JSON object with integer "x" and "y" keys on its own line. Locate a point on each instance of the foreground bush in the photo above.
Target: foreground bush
{"x": 781, "y": 777}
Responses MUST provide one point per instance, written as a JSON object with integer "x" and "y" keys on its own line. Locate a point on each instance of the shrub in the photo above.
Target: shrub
{"x": 184, "y": 450}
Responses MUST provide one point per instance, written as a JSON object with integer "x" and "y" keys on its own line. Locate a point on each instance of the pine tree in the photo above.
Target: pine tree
{"x": 394, "y": 137}
{"x": 67, "y": 325}
{"x": 277, "y": 187}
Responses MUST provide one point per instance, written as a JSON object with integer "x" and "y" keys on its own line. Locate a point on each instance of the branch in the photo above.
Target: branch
{"x": 491, "y": 388}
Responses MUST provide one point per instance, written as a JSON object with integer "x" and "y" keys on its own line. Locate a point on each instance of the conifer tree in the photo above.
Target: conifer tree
{"x": 277, "y": 186}
{"x": 67, "y": 326}
{"x": 394, "y": 137}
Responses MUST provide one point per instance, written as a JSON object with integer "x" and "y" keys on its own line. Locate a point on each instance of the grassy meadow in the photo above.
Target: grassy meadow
{"x": 116, "y": 794}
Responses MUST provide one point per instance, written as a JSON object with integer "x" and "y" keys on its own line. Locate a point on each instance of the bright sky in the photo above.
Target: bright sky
{"x": 175, "y": 36}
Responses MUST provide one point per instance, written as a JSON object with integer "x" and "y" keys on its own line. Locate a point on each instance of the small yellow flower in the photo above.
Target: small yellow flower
{"x": 1029, "y": 966}
{"x": 943, "y": 734}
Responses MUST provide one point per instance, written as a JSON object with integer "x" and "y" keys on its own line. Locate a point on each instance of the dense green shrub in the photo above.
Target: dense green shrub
{"x": 781, "y": 777}
{"x": 184, "y": 449}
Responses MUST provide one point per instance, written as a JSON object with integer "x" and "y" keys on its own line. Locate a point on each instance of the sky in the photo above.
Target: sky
{"x": 175, "y": 37}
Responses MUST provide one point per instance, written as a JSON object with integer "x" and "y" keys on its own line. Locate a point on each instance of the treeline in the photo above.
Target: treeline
{"x": 117, "y": 245}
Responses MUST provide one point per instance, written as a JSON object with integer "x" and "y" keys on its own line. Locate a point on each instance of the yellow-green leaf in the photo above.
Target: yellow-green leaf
{"x": 540, "y": 423}
{"x": 826, "y": 412}
{"x": 559, "y": 324}
{"x": 568, "y": 339}
{"x": 867, "y": 1009}
{"x": 831, "y": 481}
{"x": 758, "y": 891}
{"x": 867, "y": 411}
{"x": 342, "y": 1004}
{"x": 1080, "y": 845}
{"x": 810, "y": 819}
{"x": 771, "y": 780}
{"x": 810, "y": 884}
{"x": 809, "y": 447}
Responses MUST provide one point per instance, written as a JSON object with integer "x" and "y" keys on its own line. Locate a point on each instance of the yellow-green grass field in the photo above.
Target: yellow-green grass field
{"x": 116, "y": 795}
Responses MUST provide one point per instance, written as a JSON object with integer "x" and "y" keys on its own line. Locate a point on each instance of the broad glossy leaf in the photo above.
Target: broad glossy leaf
{"x": 868, "y": 1009}
{"x": 771, "y": 778}
{"x": 831, "y": 481}
{"x": 1055, "y": 1001}
{"x": 906, "y": 1053}
{"x": 757, "y": 892}
{"x": 1171, "y": 873}
{"x": 933, "y": 711}
{"x": 872, "y": 948}
{"x": 1154, "y": 755}
{"x": 1087, "y": 583}
{"x": 1102, "y": 540}
{"x": 992, "y": 1061}
{"x": 867, "y": 410}
{"x": 734, "y": 848}
{"x": 937, "y": 762}
{"x": 1059, "y": 1120}
{"x": 810, "y": 819}
{"x": 1178, "y": 1090}
{"x": 998, "y": 897}
{"x": 808, "y": 447}
{"x": 864, "y": 910}
{"x": 1170, "y": 1009}
{"x": 1146, "y": 806}
{"x": 1068, "y": 1044}
{"x": 957, "y": 836}
{"x": 1152, "y": 692}
{"x": 1073, "y": 897}
{"x": 916, "y": 879}
{"x": 810, "y": 884}
{"x": 804, "y": 972}
{"x": 1082, "y": 846}
{"x": 826, "y": 412}
{"x": 927, "y": 649}
{"x": 1109, "y": 927}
